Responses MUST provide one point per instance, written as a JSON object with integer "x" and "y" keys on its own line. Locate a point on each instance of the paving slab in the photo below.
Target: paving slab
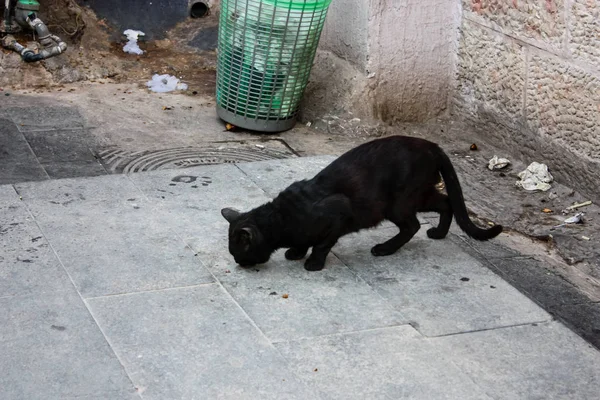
{"x": 274, "y": 176}
{"x": 110, "y": 242}
{"x": 194, "y": 343}
{"x": 21, "y": 172}
{"x": 60, "y": 193}
{"x": 62, "y": 145}
{"x": 542, "y": 361}
{"x": 190, "y": 200}
{"x": 43, "y": 118}
{"x": 17, "y": 162}
{"x": 13, "y": 146}
{"x": 319, "y": 303}
{"x": 440, "y": 288}
{"x": 393, "y": 363}
{"x": 74, "y": 169}
{"x": 11, "y": 207}
{"x": 52, "y": 349}
{"x": 28, "y": 263}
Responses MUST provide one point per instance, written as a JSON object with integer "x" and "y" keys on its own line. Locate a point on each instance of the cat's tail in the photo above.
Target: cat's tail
{"x": 457, "y": 201}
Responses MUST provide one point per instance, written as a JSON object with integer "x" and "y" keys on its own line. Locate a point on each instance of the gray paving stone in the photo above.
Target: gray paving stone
{"x": 74, "y": 169}
{"x": 27, "y": 262}
{"x": 546, "y": 361}
{"x": 113, "y": 248}
{"x": 319, "y": 303}
{"x": 30, "y": 171}
{"x": 52, "y": 350}
{"x": 194, "y": 343}
{"x": 584, "y": 318}
{"x": 78, "y": 191}
{"x": 440, "y": 288}
{"x": 62, "y": 145}
{"x": 11, "y": 207}
{"x": 393, "y": 363}
{"x": 208, "y": 187}
{"x": 489, "y": 250}
{"x": 42, "y": 118}
{"x": 274, "y": 176}
{"x": 545, "y": 287}
{"x": 13, "y": 146}
{"x": 190, "y": 200}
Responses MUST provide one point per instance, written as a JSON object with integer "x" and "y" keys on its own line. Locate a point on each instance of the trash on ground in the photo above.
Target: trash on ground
{"x": 576, "y": 219}
{"x": 498, "y": 163}
{"x": 285, "y": 296}
{"x": 260, "y": 146}
{"x": 535, "y": 177}
{"x": 167, "y": 108}
{"x": 229, "y": 127}
{"x": 309, "y": 124}
{"x": 547, "y": 210}
{"x": 473, "y": 147}
{"x": 165, "y": 83}
{"x": 579, "y": 205}
{"x": 585, "y": 238}
{"x": 132, "y": 45}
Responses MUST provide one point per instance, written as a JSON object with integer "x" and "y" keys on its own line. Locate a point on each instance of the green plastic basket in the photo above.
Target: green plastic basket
{"x": 265, "y": 53}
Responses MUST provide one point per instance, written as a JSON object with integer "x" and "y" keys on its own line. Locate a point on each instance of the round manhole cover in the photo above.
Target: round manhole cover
{"x": 120, "y": 161}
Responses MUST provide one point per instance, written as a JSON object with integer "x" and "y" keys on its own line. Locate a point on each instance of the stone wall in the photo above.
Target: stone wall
{"x": 529, "y": 76}
{"x": 387, "y": 59}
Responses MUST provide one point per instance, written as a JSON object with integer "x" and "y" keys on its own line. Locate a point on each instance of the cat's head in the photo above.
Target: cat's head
{"x": 247, "y": 244}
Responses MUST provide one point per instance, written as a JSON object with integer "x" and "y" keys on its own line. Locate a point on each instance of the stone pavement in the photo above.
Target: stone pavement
{"x": 121, "y": 287}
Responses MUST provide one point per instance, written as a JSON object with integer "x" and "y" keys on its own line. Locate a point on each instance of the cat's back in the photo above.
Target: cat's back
{"x": 389, "y": 153}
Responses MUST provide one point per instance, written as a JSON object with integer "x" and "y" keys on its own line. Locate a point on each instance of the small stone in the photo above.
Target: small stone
{"x": 285, "y": 296}
{"x": 464, "y": 279}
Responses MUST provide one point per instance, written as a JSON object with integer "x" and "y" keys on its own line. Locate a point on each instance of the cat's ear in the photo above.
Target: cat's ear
{"x": 230, "y": 214}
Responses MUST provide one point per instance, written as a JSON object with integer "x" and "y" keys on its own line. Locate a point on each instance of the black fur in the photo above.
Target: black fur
{"x": 391, "y": 178}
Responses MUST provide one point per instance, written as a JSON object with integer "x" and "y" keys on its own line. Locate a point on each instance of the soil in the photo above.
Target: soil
{"x": 92, "y": 55}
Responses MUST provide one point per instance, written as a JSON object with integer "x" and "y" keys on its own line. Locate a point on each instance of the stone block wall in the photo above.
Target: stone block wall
{"x": 388, "y": 59}
{"x": 528, "y": 72}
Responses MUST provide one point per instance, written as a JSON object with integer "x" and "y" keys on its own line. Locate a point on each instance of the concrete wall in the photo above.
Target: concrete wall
{"x": 400, "y": 53}
{"x": 529, "y": 72}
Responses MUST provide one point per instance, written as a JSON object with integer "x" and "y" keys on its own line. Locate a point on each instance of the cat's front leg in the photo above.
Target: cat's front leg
{"x": 316, "y": 260}
{"x": 296, "y": 253}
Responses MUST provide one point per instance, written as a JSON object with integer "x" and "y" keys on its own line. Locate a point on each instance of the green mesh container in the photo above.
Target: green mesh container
{"x": 265, "y": 53}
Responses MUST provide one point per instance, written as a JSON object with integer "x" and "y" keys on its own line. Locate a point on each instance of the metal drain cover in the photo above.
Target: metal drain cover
{"x": 121, "y": 161}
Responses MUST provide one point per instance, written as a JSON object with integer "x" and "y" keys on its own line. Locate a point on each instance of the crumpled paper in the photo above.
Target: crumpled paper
{"x": 498, "y": 163}
{"x": 535, "y": 177}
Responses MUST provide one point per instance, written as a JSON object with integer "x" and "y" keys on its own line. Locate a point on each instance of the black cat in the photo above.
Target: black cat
{"x": 391, "y": 178}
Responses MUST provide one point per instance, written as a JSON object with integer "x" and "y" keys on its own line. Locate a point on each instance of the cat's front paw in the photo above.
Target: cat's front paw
{"x": 436, "y": 233}
{"x": 382, "y": 249}
{"x": 295, "y": 254}
{"x": 314, "y": 264}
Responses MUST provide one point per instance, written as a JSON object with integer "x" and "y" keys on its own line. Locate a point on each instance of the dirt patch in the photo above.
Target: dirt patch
{"x": 93, "y": 56}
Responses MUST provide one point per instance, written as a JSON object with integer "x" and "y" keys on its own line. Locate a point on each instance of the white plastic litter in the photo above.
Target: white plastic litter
{"x": 132, "y": 45}
{"x": 575, "y": 219}
{"x": 535, "y": 177}
{"x": 498, "y": 163}
{"x": 165, "y": 83}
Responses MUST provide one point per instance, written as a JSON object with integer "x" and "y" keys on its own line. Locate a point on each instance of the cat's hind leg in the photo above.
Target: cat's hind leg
{"x": 440, "y": 203}
{"x": 296, "y": 253}
{"x": 409, "y": 225}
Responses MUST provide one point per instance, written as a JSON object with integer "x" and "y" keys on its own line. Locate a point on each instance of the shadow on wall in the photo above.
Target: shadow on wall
{"x": 153, "y": 17}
